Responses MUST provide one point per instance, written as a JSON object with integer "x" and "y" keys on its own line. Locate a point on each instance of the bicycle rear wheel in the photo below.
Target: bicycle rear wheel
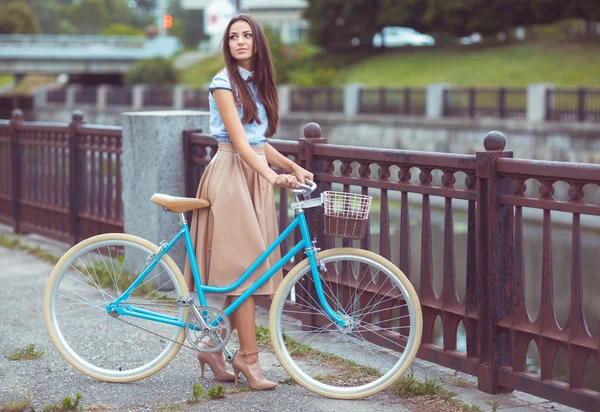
{"x": 93, "y": 274}
{"x": 378, "y": 303}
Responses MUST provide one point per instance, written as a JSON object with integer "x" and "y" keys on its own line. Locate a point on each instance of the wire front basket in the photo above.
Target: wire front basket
{"x": 346, "y": 214}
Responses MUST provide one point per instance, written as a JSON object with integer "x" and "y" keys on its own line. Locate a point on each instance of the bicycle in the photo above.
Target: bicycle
{"x": 363, "y": 321}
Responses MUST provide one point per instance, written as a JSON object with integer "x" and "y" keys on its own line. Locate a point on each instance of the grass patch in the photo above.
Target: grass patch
{"x": 484, "y": 65}
{"x": 238, "y": 389}
{"x": 262, "y": 335}
{"x": 432, "y": 395}
{"x": 199, "y": 394}
{"x": 29, "y": 353}
{"x": 96, "y": 269}
{"x": 10, "y": 242}
{"x": 216, "y": 392}
{"x": 168, "y": 407}
{"x": 67, "y": 404}
{"x": 495, "y": 404}
{"x": 20, "y": 405}
{"x": 409, "y": 387}
{"x": 201, "y": 73}
{"x": 456, "y": 380}
{"x": 289, "y": 381}
{"x": 5, "y": 79}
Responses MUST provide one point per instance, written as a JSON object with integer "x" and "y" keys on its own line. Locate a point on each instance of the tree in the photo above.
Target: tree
{"x": 121, "y": 29}
{"x": 335, "y": 23}
{"x": 18, "y": 18}
{"x": 89, "y": 16}
{"x": 587, "y": 10}
{"x": 409, "y": 13}
{"x": 156, "y": 72}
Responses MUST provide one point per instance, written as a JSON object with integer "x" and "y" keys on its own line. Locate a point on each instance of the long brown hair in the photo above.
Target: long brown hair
{"x": 263, "y": 77}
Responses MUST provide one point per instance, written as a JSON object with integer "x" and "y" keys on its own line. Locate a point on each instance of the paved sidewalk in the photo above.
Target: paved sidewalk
{"x": 49, "y": 379}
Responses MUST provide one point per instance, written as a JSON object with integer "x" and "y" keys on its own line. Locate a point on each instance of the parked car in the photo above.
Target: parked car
{"x": 470, "y": 39}
{"x": 401, "y": 36}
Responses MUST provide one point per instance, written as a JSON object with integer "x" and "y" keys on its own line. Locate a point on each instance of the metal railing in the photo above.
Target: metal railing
{"x": 63, "y": 180}
{"x": 581, "y": 104}
{"x": 310, "y": 100}
{"x": 405, "y": 101}
{"x": 500, "y": 103}
{"x": 60, "y": 180}
{"x": 489, "y": 187}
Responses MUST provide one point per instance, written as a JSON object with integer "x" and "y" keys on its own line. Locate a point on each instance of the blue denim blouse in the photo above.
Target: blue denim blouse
{"x": 254, "y": 132}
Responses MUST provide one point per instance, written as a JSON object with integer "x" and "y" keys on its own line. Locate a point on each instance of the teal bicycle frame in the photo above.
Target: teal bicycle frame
{"x": 305, "y": 243}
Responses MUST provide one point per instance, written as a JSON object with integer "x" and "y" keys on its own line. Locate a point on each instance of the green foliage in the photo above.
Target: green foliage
{"x": 188, "y": 25}
{"x": 409, "y": 387}
{"x": 22, "y": 405}
{"x": 66, "y": 405}
{"x": 317, "y": 77}
{"x": 29, "y": 353}
{"x": 201, "y": 73}
{"x": 495, "y": 404}
{"x": 89, "y": 16}
{"x": 18, "y": 18}
{"x": 122, "y": 29}
{"x": 564, "y": 64}
{"x": 156, "y": 72}
{"x": 262, "y": 335}
{"x": 334, "y": 23}
{"x": 197, "y": 393}
{"x": 14, "y": 243}
{"x": 216, "y": 392}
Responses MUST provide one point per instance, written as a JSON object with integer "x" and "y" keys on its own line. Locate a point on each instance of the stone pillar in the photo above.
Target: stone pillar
{"x": 537, "y": 105}
{"x": 435, "y": 99}
{"x": 40, "y": 98}
{"x": 70, "y": 95}
{"x": 101, "y": 97}
{"x": 153, "y": 162}
{"x": 351, "y": 99}
{"x": 137, "y": 99}
{"x": 284, "y": 93}
{"x": 179, "y": 97}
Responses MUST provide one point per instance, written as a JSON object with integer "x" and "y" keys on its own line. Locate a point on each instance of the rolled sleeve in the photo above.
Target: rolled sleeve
{"x": 220, "y": 81}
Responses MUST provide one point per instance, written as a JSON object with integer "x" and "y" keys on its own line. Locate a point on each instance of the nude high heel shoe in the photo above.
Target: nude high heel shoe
{"x": 252, "y": 372}
{"x": 220, "y": 374}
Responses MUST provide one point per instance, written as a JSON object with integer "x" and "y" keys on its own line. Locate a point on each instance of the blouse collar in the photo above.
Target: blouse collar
{"x": 245, "y": 73}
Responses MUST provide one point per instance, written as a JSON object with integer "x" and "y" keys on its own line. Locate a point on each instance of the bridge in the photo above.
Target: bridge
{"x": 86, "y": 54}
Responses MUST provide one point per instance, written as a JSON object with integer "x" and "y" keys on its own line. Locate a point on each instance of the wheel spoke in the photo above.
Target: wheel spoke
{"x": 341, "y": 358}
{"x": 107, "y": 347}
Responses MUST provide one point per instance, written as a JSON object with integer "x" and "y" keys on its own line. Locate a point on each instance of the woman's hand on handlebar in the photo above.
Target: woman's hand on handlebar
{"x": 302, "y": 175}
{"x": 285, "y": 180}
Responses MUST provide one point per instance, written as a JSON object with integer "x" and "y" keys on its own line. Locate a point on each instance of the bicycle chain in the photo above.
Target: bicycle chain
{"x": 152, "y": 332}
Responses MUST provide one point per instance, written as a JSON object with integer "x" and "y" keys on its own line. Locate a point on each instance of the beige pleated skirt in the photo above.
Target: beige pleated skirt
{"x": 241, "y": 223}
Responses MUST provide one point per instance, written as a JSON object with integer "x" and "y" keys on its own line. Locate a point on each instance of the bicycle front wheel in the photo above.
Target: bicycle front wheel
{"x": 110, "y": 347}
{"x": 380, "y": 308}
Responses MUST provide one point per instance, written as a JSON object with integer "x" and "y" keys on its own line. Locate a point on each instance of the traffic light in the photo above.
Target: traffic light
{"x": 167, "y": 21}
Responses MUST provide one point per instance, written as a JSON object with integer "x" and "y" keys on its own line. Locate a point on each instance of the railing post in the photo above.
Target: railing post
{"x": 581, "y": 104}
{"x": 15, "y": 167}
{"x": 407, "y": 110}
{"x": 494, "y": 281}
{"x": 312, "y": 136}
{"x": 502, "y": 102}
{"x": 472, "y": 102}
{"x": 74, "y": 175}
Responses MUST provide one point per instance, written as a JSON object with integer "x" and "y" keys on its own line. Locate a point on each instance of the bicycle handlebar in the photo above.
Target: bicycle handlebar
{"x": 306, "y": 189}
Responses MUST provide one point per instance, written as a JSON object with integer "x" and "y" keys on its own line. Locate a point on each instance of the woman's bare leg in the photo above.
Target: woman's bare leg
{"x": 244, "y": 320}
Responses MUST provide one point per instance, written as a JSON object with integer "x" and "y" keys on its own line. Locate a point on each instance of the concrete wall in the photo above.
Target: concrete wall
{"x": 561, "y": 141}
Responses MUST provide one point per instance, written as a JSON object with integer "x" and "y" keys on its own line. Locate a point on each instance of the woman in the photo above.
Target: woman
{"x": 238, "y": 182}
